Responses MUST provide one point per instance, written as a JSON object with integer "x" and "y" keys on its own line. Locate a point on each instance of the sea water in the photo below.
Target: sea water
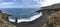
{"x": 21, "y": 13}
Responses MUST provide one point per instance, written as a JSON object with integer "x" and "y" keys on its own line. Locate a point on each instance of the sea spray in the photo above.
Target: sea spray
{"x": 27, "y": 20}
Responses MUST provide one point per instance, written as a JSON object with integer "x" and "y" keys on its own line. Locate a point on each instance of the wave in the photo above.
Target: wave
{"x": 27, "y": 20}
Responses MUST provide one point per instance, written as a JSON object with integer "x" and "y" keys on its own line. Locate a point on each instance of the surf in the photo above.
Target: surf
{"x": 32, "y": 18}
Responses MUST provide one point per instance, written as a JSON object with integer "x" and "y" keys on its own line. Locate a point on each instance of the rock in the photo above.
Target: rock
{"x": 4, "y": 23}
{"x": 50, "y": 9}
{"x": 53, "y": 20}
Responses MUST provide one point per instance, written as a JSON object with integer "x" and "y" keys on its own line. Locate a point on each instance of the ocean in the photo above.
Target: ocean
{"x": 21, "y": 13}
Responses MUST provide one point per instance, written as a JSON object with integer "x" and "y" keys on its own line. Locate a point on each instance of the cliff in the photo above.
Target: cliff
{"x": 51, "y": 7}
{"x": 48, "y": 10}
{"x": 4, "y": 23}
{"x": 53, "y": 20}
{"x": 52, "y": 14}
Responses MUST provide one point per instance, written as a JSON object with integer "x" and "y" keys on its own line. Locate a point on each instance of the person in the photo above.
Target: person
{"x": 16, "y": 20}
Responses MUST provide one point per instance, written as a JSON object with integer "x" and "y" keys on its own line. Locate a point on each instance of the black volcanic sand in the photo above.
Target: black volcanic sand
{"x": 36, "y": 23}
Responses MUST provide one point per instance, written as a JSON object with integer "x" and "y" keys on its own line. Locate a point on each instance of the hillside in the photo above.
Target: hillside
{"x": 4, "y": 23}
{"x": 53, "y": 20}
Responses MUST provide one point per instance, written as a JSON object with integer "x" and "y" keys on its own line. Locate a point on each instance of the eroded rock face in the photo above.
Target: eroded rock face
{"x": 53, "y": 20}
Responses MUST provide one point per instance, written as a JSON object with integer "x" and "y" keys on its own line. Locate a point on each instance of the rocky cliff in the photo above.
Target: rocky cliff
{"x": 53, "y": 20}
{"x": 4, "y": 23}
{"x": 53, "y": 12}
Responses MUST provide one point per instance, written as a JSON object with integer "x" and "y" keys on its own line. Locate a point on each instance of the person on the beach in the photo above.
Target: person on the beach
{"x": 16, "y": 20}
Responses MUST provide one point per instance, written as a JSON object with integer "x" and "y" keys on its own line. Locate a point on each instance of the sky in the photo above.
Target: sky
{"x": 26, "y": 3}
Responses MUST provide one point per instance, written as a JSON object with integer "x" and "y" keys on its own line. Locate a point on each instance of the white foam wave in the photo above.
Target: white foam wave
{"x": 27, "y": 20}
{"x": 11, "y": 20}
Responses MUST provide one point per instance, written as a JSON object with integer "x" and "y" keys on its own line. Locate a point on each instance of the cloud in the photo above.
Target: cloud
{"x": 50, "y": 2}
{"x": 2, "y": 2}
{"x": 22, "y": 4}
{"x": 33, "y": 4}
{"x": 6, "y": 3}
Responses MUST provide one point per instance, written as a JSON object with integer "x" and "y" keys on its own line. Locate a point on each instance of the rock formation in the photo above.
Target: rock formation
{"x": 3, "y": 22}
{"x": 53, "y": 20}
{"x": 47, "y": 11}
{"x": 50, "y": 9}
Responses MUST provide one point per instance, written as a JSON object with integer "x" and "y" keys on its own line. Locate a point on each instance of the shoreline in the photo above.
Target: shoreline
{"x": 27, "y": 20}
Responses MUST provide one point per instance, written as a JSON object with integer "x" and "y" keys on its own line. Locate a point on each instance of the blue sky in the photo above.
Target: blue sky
{"x": 20, "y": 3}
